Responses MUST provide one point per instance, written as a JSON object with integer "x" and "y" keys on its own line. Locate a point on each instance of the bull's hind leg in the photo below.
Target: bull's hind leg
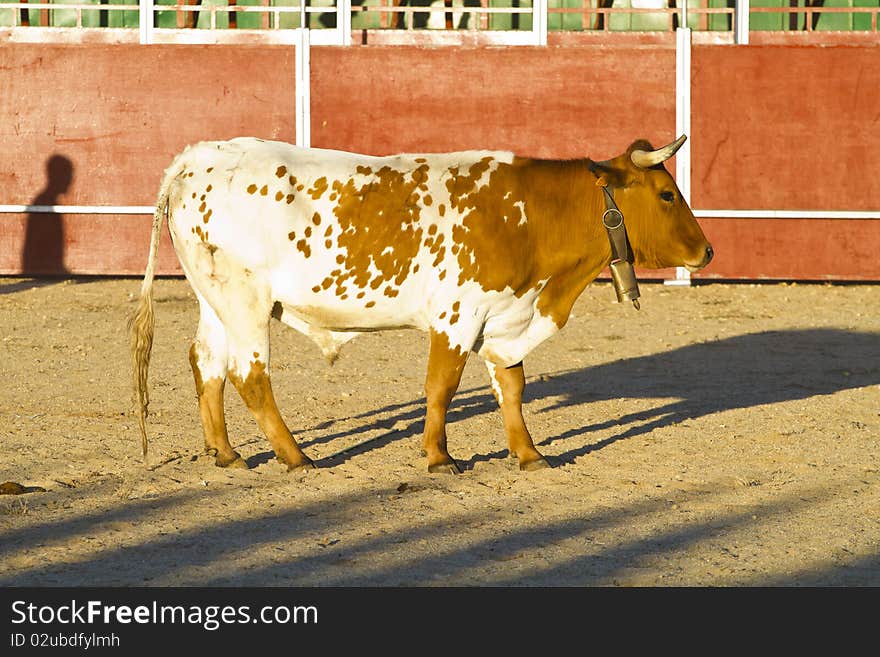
{"x": 445, "y": 366}
{"x": 207, "y": 356}
{"x": 249, "y": 373}
{"x": 508, "y": 384}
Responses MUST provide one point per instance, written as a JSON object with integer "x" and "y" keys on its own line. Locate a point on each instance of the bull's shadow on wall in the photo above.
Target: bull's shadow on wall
{"x": 706, "y": 378}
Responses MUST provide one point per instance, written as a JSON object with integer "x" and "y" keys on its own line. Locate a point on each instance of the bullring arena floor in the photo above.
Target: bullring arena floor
{"x": 726, "y": 434}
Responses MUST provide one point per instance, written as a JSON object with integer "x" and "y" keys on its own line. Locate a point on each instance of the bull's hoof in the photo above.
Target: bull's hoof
{"x": 301, "y": 467}
{"x": 444, "y": 468}
{"x": 234, "y": 462}
{"x": 537, "y": 464}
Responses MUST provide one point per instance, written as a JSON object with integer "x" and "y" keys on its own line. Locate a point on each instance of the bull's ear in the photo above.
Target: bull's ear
{"x": 607, "y": 175}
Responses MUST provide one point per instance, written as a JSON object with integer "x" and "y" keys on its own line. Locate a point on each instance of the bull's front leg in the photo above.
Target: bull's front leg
{"x": 445, "y": 366}
{"x": 508, "y": 384}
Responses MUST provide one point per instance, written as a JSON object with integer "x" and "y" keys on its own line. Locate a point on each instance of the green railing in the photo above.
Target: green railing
{"x": 570, "y": 15}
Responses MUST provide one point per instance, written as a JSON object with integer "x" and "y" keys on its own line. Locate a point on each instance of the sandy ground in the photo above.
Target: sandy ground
{"x": 725, "y": 435}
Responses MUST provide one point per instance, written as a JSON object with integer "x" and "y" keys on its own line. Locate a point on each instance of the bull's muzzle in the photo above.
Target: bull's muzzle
{"x": 708, "y": 254}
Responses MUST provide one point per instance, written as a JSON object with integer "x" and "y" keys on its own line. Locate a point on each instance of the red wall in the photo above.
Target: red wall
{"x": 541, "y": 102}
{"x": 773, "y": 127}
{"x": 117, "y": 114}
{"x": 786, "y": 127}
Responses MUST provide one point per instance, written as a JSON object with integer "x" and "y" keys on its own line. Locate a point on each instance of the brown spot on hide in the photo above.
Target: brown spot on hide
{"x": 369, "y": 304}
{"x": 432, "y": 230}
{"x": 316, "y": 219}
{"x": 462, "y": 186}
{"x": 318, "y": 188}
{"x": 256, "y": 354}
{"x": 429, "y": 200}
{"x": 442, "y": 275}
{"x": 289, "y": 199}
{"x": 280, "y": 171}
{"x": 442, "y": 209}
{"x": 279, "y": 196}
{"x": 328, "y": 244}
{"x": 264, "y": 190}
{"x": 454, "y": 318}
{"x": 374, "y": 215}
{"x": 326, "y": 283}
{"x": 438, "y": 244}
{"x": 251, "y": 189}
{"x": 317, "y": 288}
{"x": 303, "y": 246}
{"x": 491, "y": 217}
{"x": 456, "y": 306}
{"x": 209, "y": 188}
{"x": 207, "y": 216}
{"x": 308, "y": 231}
{"x": 291, "y": 235}
{"x": 209, "y": 169}
{"x": 329, "y": 231}
{"x": 360, "y": 295}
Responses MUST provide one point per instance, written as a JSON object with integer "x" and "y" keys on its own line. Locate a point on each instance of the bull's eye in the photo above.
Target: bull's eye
{"x": 667, "y": 196}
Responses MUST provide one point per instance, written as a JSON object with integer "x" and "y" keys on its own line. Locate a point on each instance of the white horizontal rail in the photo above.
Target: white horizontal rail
{"x": 79, "y": 209}
{"x": 700, "y": 214}
{"x": 787, "y": 214}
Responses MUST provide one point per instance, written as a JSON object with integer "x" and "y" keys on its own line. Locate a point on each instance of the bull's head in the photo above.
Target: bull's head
{"x": 660, "y": 225}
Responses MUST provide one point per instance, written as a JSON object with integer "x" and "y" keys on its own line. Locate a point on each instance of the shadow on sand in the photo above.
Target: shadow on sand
{"x": 705, "y": 378}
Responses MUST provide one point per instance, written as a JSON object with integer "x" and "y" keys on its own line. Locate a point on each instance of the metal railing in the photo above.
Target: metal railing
{"x": 520, "y": 15}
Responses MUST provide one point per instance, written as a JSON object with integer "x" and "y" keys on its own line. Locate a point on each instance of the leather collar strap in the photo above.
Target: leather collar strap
{"x": 622, "y": 273}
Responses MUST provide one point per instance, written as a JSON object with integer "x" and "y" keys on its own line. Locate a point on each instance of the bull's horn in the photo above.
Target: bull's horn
{"x": 645, "y": 159}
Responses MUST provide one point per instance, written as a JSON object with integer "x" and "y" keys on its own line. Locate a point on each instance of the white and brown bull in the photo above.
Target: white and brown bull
{"x": 485, "y": 250}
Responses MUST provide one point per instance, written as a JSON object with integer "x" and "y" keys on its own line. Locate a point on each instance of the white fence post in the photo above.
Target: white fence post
{"x": 539, "y": 22}
{"x": 302, "y": 81}
{"x": 741, "y": 23}
{"x": 343, "y": 21}
{"x": 683, "y": 123}
{"x": 145, "y": 21}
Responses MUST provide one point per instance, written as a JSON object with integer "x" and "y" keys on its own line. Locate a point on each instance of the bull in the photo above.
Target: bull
{"x": 486, "y": 251}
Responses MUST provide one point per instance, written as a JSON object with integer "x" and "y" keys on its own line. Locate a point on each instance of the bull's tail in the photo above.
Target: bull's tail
{"x": 141, "y": 323}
